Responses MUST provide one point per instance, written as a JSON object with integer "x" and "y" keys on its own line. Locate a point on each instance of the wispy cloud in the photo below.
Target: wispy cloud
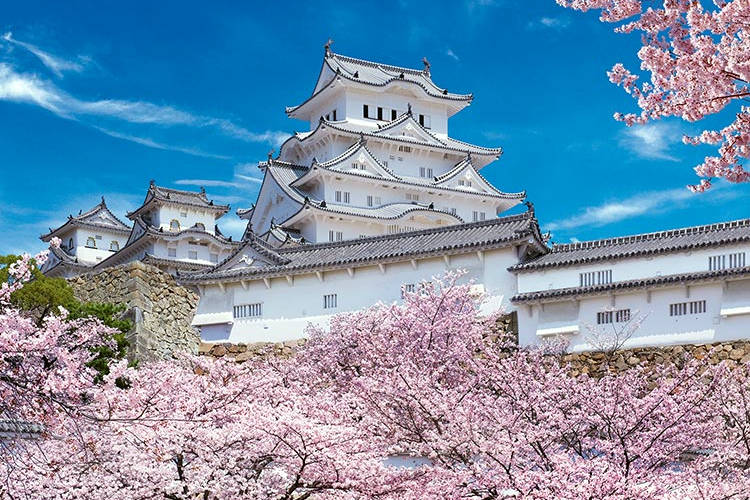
{"x": 641, "y": 204}
{"x": 451, "y": 54}
{"x": 56, "y": 64}
{"x": 30, "y": 89}
{"x": 205, "y": 182}
{"x": 652, "y": 140}
{"x": 145, "y": 141}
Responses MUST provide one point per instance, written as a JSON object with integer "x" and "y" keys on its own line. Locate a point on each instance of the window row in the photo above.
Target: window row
{"x": 595, "y": 278}
{"x": 91, "y": 243}
{"x": 726, "y": 261}
{"x": 329, "y": 116}
{"x": 684, "y": 308}
{"x": 248, "y": 310}
{"x": 385, "y": 114}
{"x": 193, "y": 255}
{"x": 615, "y": 316}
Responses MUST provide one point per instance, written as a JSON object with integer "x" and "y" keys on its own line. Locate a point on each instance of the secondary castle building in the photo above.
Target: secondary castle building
{"x": 86, "y": 240}
{"x": 173, "y": 229}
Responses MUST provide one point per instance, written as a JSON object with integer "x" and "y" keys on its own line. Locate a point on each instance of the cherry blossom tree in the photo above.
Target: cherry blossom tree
{"x": 411, "y": 400}
{"x": 698, "y": 60}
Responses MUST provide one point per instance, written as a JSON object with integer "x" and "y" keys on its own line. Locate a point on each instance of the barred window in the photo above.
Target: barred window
{"x": 248, "y": 310}
{"x": 404, "y": 149}
{"x": 407, "y": 288}
{"x": 214, "y": 257}
{"x": 684, "y": 308}
{"x": 613, "y": 316}
{"x": 595, "y": 278}
{"x": 330, "y": 301}
{"x": 193, "y": 254}
{"x": 726, "y": 261}
{"x": 335, "y": 235}
{"x": 477, "y": 216}
{"x": 172, "y": 252}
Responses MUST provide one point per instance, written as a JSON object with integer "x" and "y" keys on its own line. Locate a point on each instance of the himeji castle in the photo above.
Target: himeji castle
{"x": 375, "y": 198}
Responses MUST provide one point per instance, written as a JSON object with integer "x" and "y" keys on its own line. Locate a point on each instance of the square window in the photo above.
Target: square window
{"x": 193, "y": 254}
{"x": 172, "y": 252}
{"x": 214, "y": 257}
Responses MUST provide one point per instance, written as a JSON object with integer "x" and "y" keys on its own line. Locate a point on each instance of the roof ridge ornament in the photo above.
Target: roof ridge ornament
{"x": 327, "y": 47}
{"x": 203, "y": 190}
{"x": 408, "y": 108}
{"x": 426, "y": 66}
{"x": 530, "y": 207}
{"x": 270, "y": 156}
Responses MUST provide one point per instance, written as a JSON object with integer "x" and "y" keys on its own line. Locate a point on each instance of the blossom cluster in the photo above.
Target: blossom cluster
{"x": 420, "y": 399}
{"x": 699, "y": 64}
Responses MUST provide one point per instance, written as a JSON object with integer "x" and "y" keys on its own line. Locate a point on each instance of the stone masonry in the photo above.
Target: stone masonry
{"x": 160, "y": 309}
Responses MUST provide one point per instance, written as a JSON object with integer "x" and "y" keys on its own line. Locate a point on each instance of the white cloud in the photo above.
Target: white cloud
{"x": 451, "y": 54}
{"x": 54, "y": 63}
{"x": 652, "y": 140}
{"x": 144, "y": 141}
{"x": 29, "y": 89}
{"x": 554, "y": 22}
{"x": 647, "y": 202}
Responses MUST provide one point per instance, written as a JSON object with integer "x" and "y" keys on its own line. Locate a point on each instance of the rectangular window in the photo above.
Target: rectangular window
{"x": 248, "y": 310}
{"x": 477, "y": 216}
{"x": 392, "y": 228}
{"x": 380, "y": 113}
{"x": 463, "y": 182}
{"x": 595, "y": 278}
{"x": 407, "y": 288}
{"x": 193, "y": 254}
{"x": 338, "y": 196}
{"x": 394, "y": 114}
{"x": 328, "y": 117}
{"x": 358, "y": 166}
{"x": 366, "y": 111}
{"x": 425, "y": 172}
{"x": 334, "y": 115}
{"x": 330, "y": 301}
{"x": 618, "y": 316}
{"x": 404, "y": 149}
{"x": 172, "y": 252}
{"x": 726, "y": 261}
{"x": 622, "y": 315}
{"x": 98, "y": 237}
{"x": 604, "y": 318}
{"x": 412, "y": 197}
{"x": 347, "y": 197}
{"x": 424, "y": 120}
{"x": 214, "y": 257}
{"x": 684, "y": 308}
{"x": 335, "y": 235}
{"x": 183, "y": 214}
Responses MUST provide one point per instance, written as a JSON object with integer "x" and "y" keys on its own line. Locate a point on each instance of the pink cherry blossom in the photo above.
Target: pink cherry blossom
{"x": 699, "y": 65}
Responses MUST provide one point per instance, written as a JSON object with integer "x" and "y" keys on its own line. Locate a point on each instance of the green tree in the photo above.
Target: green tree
{"x": 42, "y": 296}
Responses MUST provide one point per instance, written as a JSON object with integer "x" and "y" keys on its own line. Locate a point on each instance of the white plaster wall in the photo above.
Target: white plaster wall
{"x": 658, "y": 327}
{"x": 272, "y": 203}
{"x": 166, "y": 214}
{"x": 388, "y": 100}
{"x": 288, "y": 308}
{"x": 94, "y": 255}
{"x": 183, "y": 247}
{"x": 626, "y": 269}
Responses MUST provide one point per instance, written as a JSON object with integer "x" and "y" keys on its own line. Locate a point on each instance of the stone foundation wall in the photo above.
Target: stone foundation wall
{"x": 160, "y": 309}
{"x": 598, "y": 363}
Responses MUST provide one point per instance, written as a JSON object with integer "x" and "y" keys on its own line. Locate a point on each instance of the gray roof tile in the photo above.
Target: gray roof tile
{"x": 496, "y": 233}
{"x": 641, "y": 244}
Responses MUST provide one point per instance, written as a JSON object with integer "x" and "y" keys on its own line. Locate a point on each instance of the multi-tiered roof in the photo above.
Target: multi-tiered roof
{"x": 361, "y": 151}
{"x": 99, "y": 217}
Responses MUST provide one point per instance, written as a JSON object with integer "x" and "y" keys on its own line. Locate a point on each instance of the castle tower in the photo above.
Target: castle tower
{"x": 377, "y": 160}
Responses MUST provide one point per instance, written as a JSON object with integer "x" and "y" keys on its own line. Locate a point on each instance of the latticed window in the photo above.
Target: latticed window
{"x": 595, "y": 278}
{"x": 685, "y": 308}
{"x": 726, "y": 261}
{"x": 330, "y": 301}
{"x": 248, "y": 310}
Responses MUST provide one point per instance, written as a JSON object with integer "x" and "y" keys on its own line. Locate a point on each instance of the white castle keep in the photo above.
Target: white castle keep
{"x": 377, "y": 197}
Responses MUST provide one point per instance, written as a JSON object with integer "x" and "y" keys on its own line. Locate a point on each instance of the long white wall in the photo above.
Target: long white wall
{"x": 289, "y": 307}
{"x": 726, "y": 316}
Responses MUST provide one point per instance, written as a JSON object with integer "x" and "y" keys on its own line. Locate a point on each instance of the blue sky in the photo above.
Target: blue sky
{"x": 97, "y": 98}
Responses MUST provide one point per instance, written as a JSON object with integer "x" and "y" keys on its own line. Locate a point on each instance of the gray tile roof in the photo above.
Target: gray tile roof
{"x": 641, "y": 244}
{"x": 496, "y": 233}
{"x": 99, "y": 217}
{"x": 378, "y": 75}
{"x": 19, "y": 427}
{"x": 448, "y": 144}
{"x": 635, "y": 284}
{"x": 178, "y": 197}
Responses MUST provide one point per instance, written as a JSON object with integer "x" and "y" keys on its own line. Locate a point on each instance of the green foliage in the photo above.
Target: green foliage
{"x": 44, "y": 295}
